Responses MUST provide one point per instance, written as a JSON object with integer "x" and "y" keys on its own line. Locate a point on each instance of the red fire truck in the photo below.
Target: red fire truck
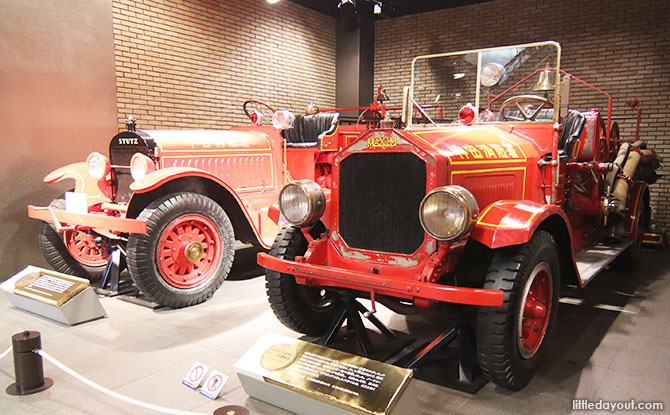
{"x": 176, "y": 201}
{"x": 516, "y": 186}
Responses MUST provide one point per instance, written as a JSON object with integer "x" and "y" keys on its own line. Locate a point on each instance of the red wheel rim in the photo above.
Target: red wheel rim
{"x": 188, "y": 251}
{"x": 535, "y": 310}
{"x": 82, "y": 247}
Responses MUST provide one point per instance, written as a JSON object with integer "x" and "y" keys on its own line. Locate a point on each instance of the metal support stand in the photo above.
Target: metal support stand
{"x": 112, "y": 285}
{"x": 110, "y": 282}
{"x": 351, "y": 312}
{"x": 434, "y": 362}
{"x": 28, "y": 369}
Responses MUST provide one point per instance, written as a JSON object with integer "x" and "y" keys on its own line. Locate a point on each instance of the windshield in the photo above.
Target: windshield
{"x": 507, "y": 84}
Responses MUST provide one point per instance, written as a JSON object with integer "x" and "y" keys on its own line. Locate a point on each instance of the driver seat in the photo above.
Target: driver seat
{"x": 573, "y": 126}
{"x": 308, "y": 130}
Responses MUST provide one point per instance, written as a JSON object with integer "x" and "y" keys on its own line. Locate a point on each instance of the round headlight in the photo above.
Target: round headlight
{"x": 448, "y": 212}
{"x": 98, "y": 166}
{"x": 140, "y": 166}
{"x": 302, "y": 202}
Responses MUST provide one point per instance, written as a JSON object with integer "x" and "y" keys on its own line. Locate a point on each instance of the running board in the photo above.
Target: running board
{"x": 593, "y": 260}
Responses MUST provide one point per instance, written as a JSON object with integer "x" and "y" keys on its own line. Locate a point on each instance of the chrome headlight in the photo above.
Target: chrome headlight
{"x": 98, "y": 166}
{"x": 302, "y": 202}
{"x": 448, "y": 212}
{"x": 141, "y": 165}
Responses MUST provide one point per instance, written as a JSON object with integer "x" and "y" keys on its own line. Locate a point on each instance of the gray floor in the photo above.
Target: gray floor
{"x": 612, "y": 342}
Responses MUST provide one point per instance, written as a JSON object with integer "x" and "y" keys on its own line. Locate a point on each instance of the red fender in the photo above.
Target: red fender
{"x": 158, "y": 178}
{"x": 84, "y": 183}
{"x": 512, "y": 222}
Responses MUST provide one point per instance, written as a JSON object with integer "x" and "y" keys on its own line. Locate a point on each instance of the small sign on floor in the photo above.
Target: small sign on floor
{"x": 194, "y": 377}
{"x": 214, "y": 384}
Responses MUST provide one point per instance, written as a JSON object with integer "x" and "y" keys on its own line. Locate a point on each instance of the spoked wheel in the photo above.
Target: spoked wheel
{"x": 535, "y": 310}
{"x": 511, "y": 339}
{"x": 307, "y": 310}
{"x": 73, "y": 252}
{"x": 81, "y": 245}
{"x": 187, "y": 252}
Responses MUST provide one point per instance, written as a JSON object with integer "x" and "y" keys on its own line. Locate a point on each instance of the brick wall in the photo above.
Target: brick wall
{"x": 620, "y": 46}
{"x": 192, "y": 63}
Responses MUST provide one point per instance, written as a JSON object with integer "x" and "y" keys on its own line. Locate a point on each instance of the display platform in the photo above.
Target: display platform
{"x": 308, "y": 379}
{"x": 63, "y": 298}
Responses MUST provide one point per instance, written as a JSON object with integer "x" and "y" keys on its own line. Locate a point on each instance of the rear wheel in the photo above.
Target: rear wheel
{"x": 187, "y": 252}
{"x": 307, "y": 310}
{"x": 629, "y": 258}
{"x": 512, "y": 339}
{"x": 73, "y": 252}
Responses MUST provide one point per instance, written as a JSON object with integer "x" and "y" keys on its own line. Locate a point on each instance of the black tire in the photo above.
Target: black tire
{"x": 153, "y": 274}
{"x": 505, "y": 358}
{"x": 55, "y": 252}
{"x": 307, "y": 310}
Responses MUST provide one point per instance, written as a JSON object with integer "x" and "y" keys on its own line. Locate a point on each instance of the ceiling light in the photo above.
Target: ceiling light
{"x": 272, "y": 1}
{"x": 377, "y": 9}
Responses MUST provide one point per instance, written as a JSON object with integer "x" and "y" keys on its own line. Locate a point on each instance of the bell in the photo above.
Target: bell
{"x": 544, "y": 83}
{"x": 312, "y": 108}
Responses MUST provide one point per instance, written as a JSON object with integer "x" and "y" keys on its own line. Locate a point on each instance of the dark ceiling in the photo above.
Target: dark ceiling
{"x": 390, "y": 8}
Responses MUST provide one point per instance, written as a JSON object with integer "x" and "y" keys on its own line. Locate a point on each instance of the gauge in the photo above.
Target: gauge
{"x": 491, "y": 74}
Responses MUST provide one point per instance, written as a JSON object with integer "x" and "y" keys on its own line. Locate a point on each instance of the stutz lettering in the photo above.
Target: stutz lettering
{"x": 128, "y": 141}
{"x": 383, "y": 141}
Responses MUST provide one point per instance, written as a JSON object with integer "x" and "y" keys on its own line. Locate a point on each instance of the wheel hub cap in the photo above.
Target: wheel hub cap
{"x": 194, "y": 252}
{"x": 534, "y": 311}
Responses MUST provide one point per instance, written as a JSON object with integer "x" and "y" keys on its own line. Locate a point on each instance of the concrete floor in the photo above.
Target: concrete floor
{"x": 611, "y": 342}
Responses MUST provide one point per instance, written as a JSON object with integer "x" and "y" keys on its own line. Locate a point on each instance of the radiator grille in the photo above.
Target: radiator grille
{"x": 121, "y": 149}
{"x": 380, "y": 194}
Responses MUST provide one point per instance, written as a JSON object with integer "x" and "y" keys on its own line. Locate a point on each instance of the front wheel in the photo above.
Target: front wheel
{"x": 78, "y": 253}
{"x": 187, "y": 252}
{"x": 512, "y": 339}
{"x": 307, "y": 310}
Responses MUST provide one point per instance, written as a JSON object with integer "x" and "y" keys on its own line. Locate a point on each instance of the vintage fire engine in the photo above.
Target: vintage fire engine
{"x": 176, "y": 201}
{"x": 496, "y": 207}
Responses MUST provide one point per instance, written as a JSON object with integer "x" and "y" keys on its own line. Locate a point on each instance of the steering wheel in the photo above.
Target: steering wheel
{"x": 527, "y": 116}
{"x": 369, "y": 116}
{"x": 252, "y": 105}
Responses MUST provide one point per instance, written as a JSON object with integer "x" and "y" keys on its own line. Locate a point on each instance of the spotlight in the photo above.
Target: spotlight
{"x": 377, "y": 8}
{"x": 348, "y": 15}
{"x": 272, "y": 1}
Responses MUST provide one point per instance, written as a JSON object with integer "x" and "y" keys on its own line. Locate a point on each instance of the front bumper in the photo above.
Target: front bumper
{"x": 63, "y": 219}
{"x": 379, "y": 284}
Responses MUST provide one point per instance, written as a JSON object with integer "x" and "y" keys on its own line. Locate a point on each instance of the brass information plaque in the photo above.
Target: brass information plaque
{"x": 350, "y": 382}
{"x": 50, "y": 287}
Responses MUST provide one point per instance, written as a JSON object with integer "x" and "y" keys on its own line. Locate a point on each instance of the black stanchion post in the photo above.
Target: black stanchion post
{"x": 28, "y": 370}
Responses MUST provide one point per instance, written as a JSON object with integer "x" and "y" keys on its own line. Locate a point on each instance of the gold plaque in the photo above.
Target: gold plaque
{"x": 353, "y": 383}
{"x": 279, "y": 356}
{"x": 50, "y": 287}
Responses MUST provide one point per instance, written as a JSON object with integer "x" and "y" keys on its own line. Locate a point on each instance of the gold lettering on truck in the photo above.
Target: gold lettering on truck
{"x": 382, "y": 141}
